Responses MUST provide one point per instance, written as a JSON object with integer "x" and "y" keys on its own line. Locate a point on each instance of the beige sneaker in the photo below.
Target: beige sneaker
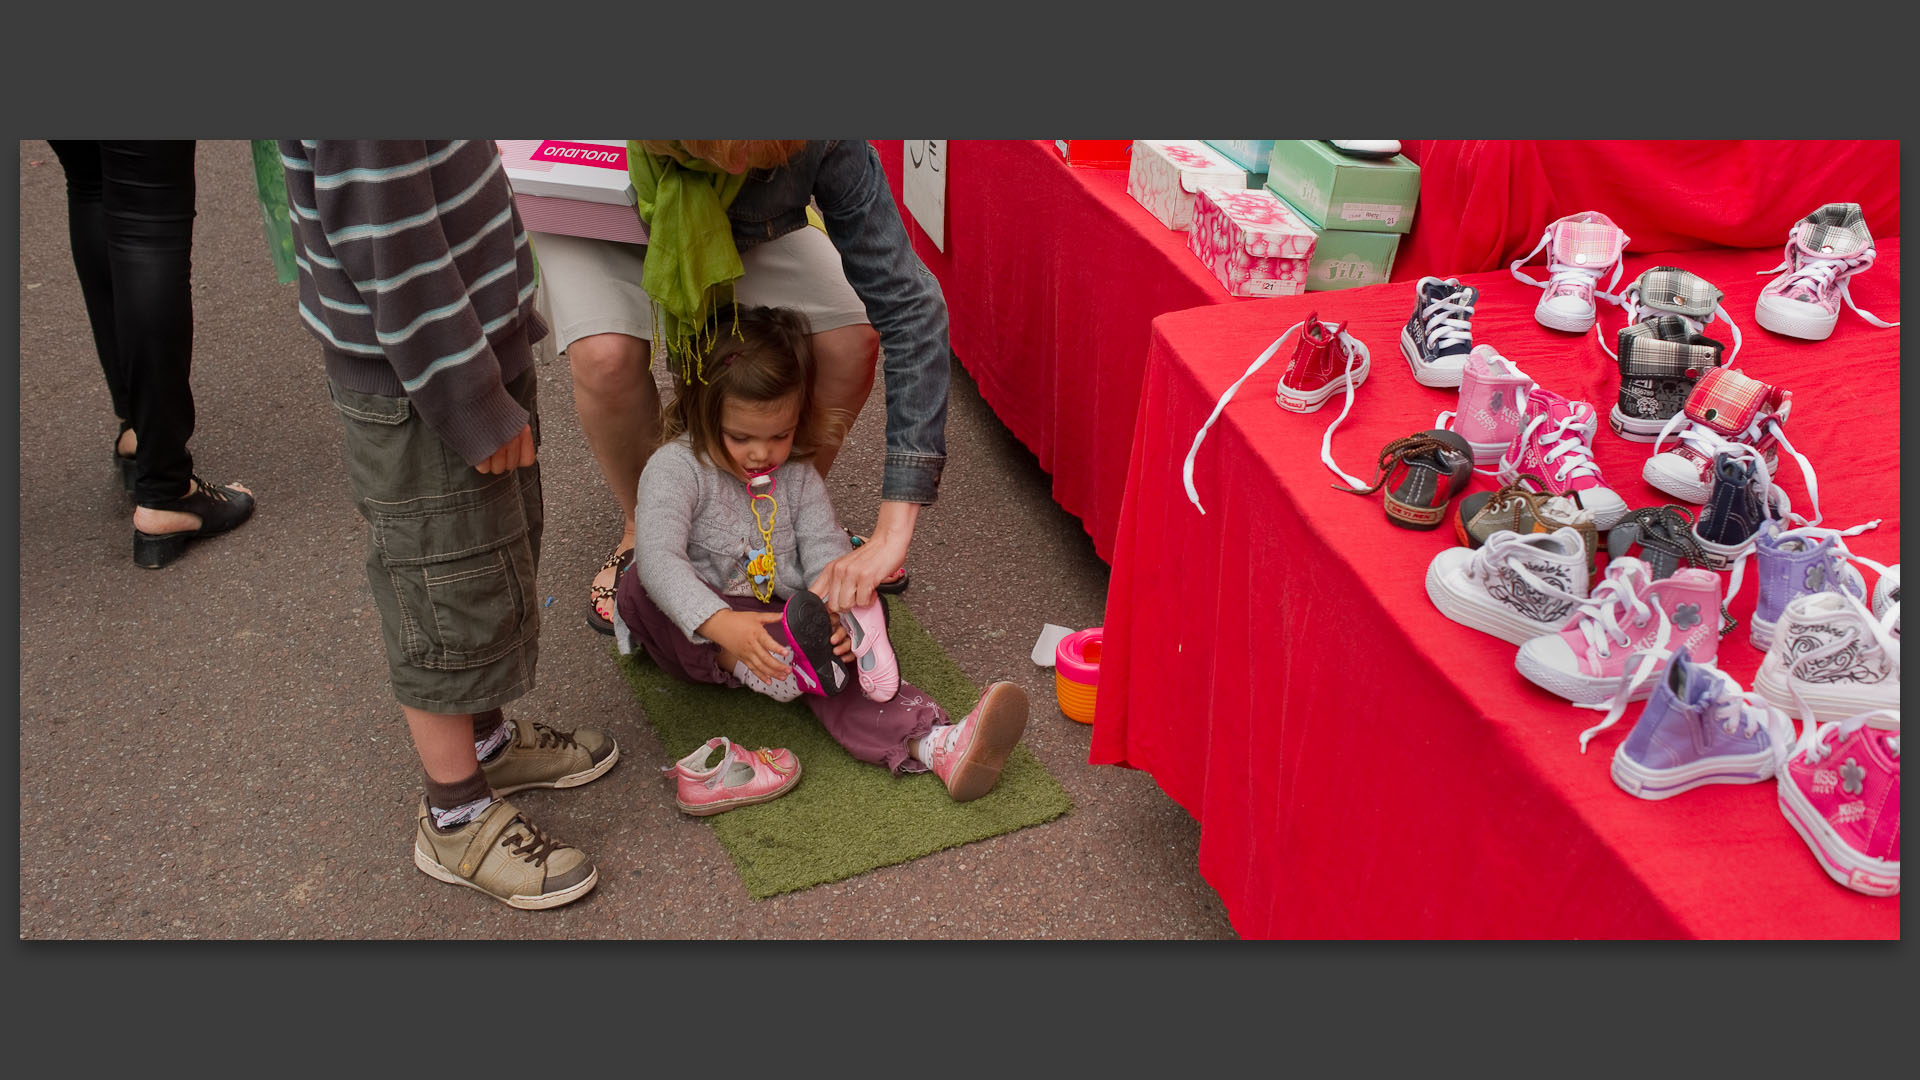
{"x": 505, "y": 856}
{"x": 545, "y": 757}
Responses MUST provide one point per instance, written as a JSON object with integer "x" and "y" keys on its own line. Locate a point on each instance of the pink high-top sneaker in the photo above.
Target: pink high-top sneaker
{"x": 1555, "y": 443}
{"x": 1841, "y": 792}
{"x": 1824, "y": 249}
{"x": 1493, "y": 395}
{"x": 1624, "y": 634}
{"x": 1581, "y": 248}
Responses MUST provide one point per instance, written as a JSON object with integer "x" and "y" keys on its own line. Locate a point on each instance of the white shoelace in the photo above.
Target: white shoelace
{"x": 1707, "y": 442}
{"x": 1821, "y": 271}
{"x": 1355, "y": 351}
{"x": 1567, "y": 273}
{"x": 1571, "y": 439}
{"x": 1629, "y": 302}
{"x": 1809, "y": 533}
{"x": 1510, "y": 549}
{"x": 1448, "y": 321}
{"x": 1621, "y": 595}
{"x": 1814, "y": 742}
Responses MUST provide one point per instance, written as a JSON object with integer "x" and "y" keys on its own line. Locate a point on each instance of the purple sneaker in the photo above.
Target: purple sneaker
{"x": 1699, "y": 728}
{"x": 1793, "y": 563}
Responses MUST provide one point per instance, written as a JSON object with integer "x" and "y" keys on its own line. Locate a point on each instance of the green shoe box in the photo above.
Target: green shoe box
{"x": 1249, "y": 154}
{"x": 1334, "y": 191}
{"x": 1343, "y": 259}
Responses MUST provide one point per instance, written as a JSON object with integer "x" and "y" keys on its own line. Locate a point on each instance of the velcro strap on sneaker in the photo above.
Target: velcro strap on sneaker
{"x": 1665, "y": 346}
{"x": 1590, "y": 244}
{"x": 1728, "y": 400}
{"x": 498, "y": 817}
{"x": 1833, "y": 230}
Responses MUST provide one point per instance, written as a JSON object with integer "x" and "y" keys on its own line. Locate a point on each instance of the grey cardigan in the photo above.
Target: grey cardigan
{"x": 694, "y": 528}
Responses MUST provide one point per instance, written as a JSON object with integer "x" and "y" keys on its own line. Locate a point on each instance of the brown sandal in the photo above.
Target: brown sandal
{"x": 618, "y": 563}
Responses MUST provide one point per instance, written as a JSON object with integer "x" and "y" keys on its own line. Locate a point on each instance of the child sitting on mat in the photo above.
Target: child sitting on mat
{"x": 733, "y": 523}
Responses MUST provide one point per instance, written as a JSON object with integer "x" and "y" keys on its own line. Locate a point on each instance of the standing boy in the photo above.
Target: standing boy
{"x": 416, "y": 277}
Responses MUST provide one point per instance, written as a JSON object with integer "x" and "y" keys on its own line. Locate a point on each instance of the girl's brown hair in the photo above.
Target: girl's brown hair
{"x": 761, "y": 356}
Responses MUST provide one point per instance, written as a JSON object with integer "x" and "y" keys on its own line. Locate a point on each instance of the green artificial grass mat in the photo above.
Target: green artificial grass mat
{"x": 845, "y": 817}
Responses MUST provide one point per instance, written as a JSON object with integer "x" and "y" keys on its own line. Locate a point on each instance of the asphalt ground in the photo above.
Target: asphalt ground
{"x": 209, "y": 751}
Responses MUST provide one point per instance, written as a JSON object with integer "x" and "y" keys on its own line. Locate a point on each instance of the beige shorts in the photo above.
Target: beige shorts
{"x": 593, "y": 286}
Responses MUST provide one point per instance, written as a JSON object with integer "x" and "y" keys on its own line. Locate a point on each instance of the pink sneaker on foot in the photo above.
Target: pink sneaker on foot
{"x": 970, "y": 756}
{"x": 1841, "y": 792}
{"x": 741, "y": 777}
{"x": 873, "y": 659}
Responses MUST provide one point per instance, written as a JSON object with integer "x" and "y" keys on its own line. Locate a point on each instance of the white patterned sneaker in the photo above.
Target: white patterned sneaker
{"x": 1514, "y": 587}
{"x": 1886, "y": 597}
{"x": 1580, "y": 249}
{"x": 1623, "y": 635}
{"x": 1831, "y": 658}
{"x": 1439, "y": 335}
{"x": 1823, "y": 251}
{"x": 1493, "y": 396}
{"x": 1555, "y": 443}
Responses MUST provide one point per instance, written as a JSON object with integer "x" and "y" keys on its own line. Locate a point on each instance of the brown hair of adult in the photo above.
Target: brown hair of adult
{"x": 760, "y": 356}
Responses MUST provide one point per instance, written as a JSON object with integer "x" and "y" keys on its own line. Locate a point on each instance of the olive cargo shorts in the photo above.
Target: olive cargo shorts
{"x": 452, "y": 555}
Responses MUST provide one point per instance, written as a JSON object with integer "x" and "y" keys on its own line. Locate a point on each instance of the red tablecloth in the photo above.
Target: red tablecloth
{"x": 1360, "y": 765}
{"x": 1052, "y": 275}
{"x": 1484, "y": 203}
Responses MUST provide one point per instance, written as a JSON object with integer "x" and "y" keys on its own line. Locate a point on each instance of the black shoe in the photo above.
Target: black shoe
{"x": 220, "y": 509}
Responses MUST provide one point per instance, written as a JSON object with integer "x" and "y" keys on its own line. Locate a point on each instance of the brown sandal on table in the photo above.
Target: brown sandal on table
{"x": 618, "y": 563}
{"x": 895, "y": 582}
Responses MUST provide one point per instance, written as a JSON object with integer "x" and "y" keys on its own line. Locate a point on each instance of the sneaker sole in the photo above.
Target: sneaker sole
{"x": 1795, "y": 324}
{"x": 1581, "y": 689}
{"x": 568, "y": 895}
{"x": 810, "y": 630}
{"x": 1861, "y": 873}
{"x": 1642, "y": 782}
{"x": 1553, "y": 320}
{"x": 1760, "y": 633}
{"x": 1719, "y": 556}
{"x": 1771, "y": 683}
{"x": 1426, "y": 374}
{"x": 1465, "y": 611}
{"x": 1002, "y": 722}
{"x": 1306, "y": 403}
{"x": 712, "y": 808}
{"x": 1680, "y": 479}
{"x": 570, "y": 780}
{"x": 1632, "y": 429}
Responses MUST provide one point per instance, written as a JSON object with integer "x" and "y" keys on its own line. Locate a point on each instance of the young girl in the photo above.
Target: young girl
{"x": 734, "y": 523}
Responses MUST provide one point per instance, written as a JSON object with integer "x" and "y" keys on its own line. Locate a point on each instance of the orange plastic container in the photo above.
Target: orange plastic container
{"x": 1076, "y": 673}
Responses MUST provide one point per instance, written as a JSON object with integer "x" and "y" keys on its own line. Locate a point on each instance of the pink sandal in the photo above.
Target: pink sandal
{"x": 741, "y": 777}
{"x": 873, "y": 659}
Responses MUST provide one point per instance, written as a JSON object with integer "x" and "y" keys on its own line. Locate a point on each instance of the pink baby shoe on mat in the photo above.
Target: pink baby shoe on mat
{"x": 1841, "y": 792}
{"x": 1580, "y": 249}
{"x": 873, "y": 659}
{"x": 968, "y": 756}
{"x": 741, "y": 777}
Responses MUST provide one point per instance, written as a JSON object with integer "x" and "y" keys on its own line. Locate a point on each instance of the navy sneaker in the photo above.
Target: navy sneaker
{"x": 1439, "y": 335}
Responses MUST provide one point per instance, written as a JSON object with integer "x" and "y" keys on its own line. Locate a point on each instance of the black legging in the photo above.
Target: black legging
{"x": 130, "y": 221}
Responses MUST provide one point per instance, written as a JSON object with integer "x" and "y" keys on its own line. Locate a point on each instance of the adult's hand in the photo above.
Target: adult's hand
{"x": 744, "y": 635}
{"x": 515, "y": 453}
{"x": 848, "y": 581}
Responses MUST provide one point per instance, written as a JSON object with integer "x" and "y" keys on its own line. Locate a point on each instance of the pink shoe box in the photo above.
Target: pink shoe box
{"x": 1165, "y": 174}
{"x": 1251, "y": 240}
{"x": 577, "y": 187}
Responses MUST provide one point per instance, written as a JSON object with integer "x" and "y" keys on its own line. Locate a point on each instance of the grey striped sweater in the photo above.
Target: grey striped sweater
{"x": 416, "y": 277}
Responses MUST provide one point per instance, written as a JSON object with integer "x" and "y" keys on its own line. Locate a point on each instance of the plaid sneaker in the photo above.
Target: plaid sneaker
{"x": 1514, "y": 587}
{"x": 1699, "y": 728}
{"x": 1524, "y": 507}
{"x": 1580, "y": 249}
{"x": 1493, "y": 396}
{"x": 1728, "y": 411}
{"x": 543, "y": 757}
{"x": 1669, "y": 290}
{"x": 1624, "y": 634}
{"x": 1421, "y": 474}
{"x": 1795, "y": 562}
{"x": 1556, "y": 444}
{"x": 1831, "y": 658}
{"x": 1439, "y": 335}
{"x": 1660, "y": 361}
{"x": 504, "y": 855}
{"x": 1824, "y": 250}
{"x": 1840, "y": 790}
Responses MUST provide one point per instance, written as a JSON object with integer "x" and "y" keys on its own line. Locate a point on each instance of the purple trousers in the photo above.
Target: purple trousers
{"x": 876, "y": 731}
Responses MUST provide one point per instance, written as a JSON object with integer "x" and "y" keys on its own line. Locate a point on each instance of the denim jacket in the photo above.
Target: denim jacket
{"x": 903, "y": 299}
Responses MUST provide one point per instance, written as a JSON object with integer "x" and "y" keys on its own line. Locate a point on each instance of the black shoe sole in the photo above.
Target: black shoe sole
{"x": 810, "y": 629}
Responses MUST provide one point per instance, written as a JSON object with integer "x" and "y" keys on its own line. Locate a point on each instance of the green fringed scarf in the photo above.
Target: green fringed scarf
{"x": 691, "y": 259}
